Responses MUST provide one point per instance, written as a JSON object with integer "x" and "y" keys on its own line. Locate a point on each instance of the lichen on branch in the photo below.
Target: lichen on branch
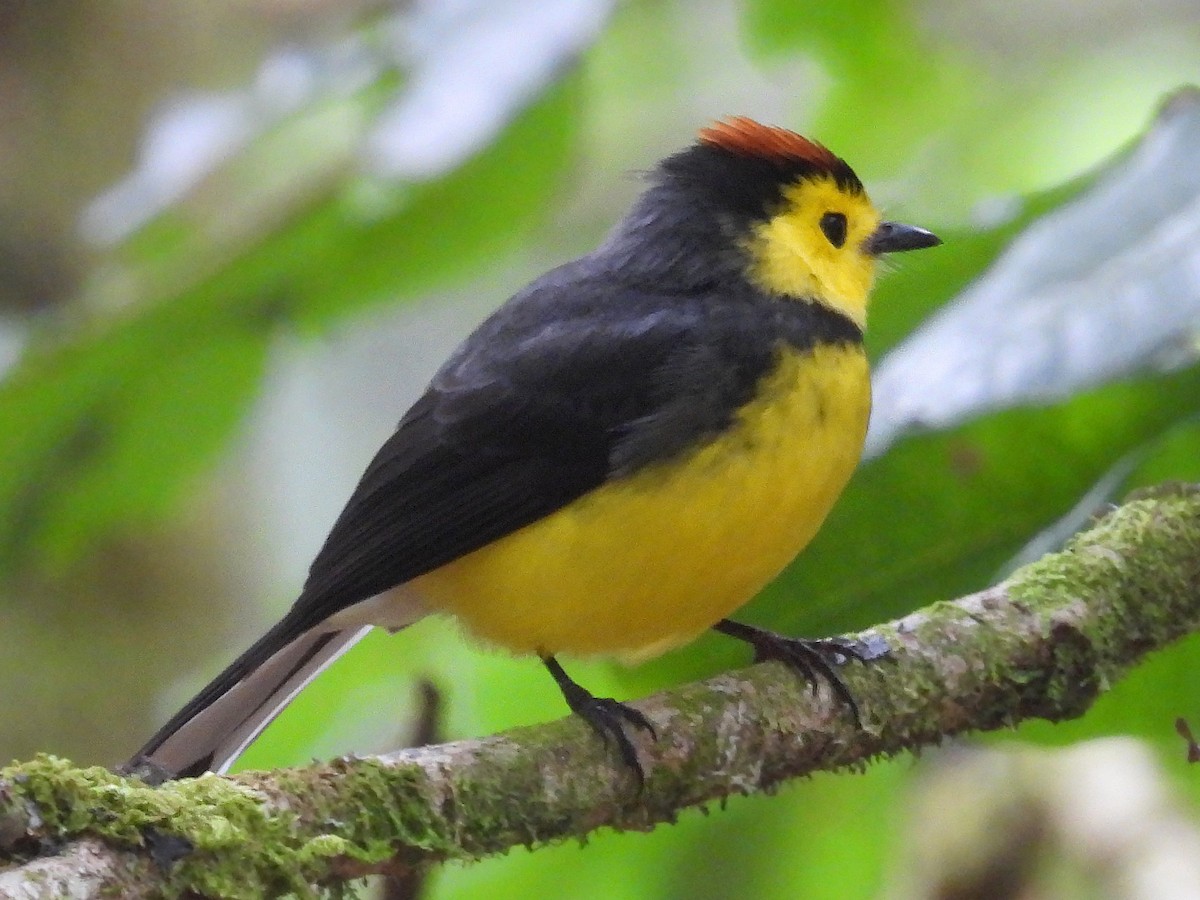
{"x": 1044, "y": 643}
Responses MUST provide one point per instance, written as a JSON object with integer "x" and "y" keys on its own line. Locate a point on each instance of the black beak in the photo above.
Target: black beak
{"x": 893, "y": 237}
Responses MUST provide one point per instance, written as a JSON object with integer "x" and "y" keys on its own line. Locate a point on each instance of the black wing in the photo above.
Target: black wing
{"x": 563, "y": 388}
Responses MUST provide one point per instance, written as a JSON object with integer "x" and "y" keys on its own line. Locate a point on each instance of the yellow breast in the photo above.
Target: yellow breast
{"x": 648, "y": 562}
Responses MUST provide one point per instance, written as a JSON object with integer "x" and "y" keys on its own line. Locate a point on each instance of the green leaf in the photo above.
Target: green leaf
{"x": 1099, "y": 289}
{"x": 155, "y": 392}
{"x": 147, "y": 436}
{"x": 884, "y": 79}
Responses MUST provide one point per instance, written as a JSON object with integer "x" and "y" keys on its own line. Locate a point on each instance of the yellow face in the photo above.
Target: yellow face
{"x": 797, "y": 253}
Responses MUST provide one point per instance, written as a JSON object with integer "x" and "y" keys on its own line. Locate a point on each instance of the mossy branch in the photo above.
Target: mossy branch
{"x": 1044, "y": 643}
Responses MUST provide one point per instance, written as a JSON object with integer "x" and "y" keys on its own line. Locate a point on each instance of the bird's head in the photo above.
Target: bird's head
{"x": 801, "y": 223}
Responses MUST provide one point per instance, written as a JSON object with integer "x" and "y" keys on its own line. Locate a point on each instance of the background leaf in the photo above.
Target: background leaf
{"x": 202, "y": 376}
{"x": 1075, "y": 301}
{"x": 328, "y": 263}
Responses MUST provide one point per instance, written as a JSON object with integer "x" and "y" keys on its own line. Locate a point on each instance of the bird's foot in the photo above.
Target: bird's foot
{"x": 147, "y": 771}
{"x": 606, "y": 716}
{"x": 813, "y": 659}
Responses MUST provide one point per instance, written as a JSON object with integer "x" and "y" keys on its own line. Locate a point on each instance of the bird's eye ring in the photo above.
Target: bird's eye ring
{"x": 834, "y": 226}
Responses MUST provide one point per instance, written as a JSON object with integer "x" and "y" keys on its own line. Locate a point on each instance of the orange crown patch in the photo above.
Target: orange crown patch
{"x": 739, "y": 134}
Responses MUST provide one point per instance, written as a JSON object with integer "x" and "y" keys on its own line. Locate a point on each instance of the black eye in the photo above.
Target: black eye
{"x": 834, "y": 226}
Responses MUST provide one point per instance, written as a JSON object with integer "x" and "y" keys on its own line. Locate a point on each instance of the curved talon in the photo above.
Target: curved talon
{"x": 605, "y": 715}
{"x": 867, "y": 649}
{"x": 811, "y": 658}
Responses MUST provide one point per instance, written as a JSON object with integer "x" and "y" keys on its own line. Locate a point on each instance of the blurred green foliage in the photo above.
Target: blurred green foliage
{"x": 114, "y": 415}
{"x": 106, "y": 422}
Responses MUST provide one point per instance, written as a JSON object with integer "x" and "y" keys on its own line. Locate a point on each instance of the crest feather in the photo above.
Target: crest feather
{"x": 742, "y": 135}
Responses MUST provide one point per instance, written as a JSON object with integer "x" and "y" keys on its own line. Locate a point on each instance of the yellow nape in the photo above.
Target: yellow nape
{"x": 648, "y": 562}
{"x": 792, "y": 256}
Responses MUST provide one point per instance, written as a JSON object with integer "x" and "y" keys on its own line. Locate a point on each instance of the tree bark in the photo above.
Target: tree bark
{"x": 1043, "y": 643}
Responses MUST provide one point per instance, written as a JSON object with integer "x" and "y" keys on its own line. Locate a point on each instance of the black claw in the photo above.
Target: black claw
{"x": 605, "y": 715}
{"x": 150, "y": 772}
{"x": 166, "y": 849}
{"x": 871, "y": 648}
{"x": 813, "y": 659}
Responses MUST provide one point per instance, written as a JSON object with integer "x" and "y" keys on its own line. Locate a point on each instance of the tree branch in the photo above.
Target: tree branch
{"x": 1044, "y": 643}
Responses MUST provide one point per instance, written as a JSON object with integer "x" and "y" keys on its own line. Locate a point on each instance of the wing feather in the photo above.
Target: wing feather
{"x": 520, "y": 422}
{"x": 571, "y": 383}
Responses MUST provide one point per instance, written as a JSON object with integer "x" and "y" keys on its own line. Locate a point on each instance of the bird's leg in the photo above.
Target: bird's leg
{"x": 811, "y": 658}
{"x": 605, "y": 715}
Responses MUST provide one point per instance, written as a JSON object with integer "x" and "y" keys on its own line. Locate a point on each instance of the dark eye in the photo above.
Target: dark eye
{"x": 834, "y": 226}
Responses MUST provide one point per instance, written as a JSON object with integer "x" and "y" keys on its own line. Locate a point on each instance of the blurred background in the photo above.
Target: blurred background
{"x": 236, "y": 238}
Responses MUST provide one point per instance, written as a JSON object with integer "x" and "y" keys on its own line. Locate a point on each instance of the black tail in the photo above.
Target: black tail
{"x": 216, "y": 725}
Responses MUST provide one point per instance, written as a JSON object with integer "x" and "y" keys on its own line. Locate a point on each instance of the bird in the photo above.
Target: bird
{"x": 619, "y": 457}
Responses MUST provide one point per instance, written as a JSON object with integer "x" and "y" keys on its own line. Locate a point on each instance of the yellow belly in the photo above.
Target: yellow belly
{"x": 648, "y": 562}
